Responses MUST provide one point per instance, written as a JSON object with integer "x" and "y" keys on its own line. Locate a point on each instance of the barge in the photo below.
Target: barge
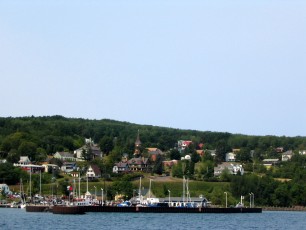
{"x": 84, "y": 209}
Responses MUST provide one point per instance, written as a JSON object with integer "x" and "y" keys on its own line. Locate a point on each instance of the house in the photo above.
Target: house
{"x": 121, "y": 167}
{"x": 68, "y": 167}
{"x": 230, "y": 157}
{"x": 24, "y": 160}
{"x": 25, "y": 164}
{"x": 270, "y": 162}
{"x": 182, "y": 145}
{"x": 93, "y": 172}
{"x": 50, "y": 167}
{"x": 287, "y": 155}
{"x": 200, "y": 152}
{"x": 279, "y": 149}
{"x": 233, "y": 169}
{"x": 5, "y": 189}
{"x": 89, "y": 146}
{"x": 302, "y": 152}
{"x": 64, "y": 156}
{"x": 153, "y": 152}
{"x": 139, "y": 164}
{"x": 201, "y": 146}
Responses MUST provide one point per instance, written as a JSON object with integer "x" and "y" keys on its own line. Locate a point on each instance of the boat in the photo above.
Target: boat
{"x": 22, "y": 196}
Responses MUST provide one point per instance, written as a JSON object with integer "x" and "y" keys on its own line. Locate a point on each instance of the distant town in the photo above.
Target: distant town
{"x": 261, "y": 169}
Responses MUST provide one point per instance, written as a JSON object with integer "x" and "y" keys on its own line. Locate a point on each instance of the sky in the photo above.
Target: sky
{"x": 225, "y": 65}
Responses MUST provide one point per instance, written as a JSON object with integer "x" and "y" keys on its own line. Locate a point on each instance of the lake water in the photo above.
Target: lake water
{"x": 20, "y": 219}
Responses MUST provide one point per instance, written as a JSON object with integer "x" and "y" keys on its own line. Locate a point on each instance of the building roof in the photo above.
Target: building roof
{"x": 152, "y": 149}
{"x": 137, "y": 161}
{"x": 200, "y": 151}
{"x": 289, "y": 152}
{"x": 270, "y": 160}
{"x": 96, "y": 169}
{"x": 121, "y": 164}
{"x": 24, "y": 159}
{"x": 65, "y": 154}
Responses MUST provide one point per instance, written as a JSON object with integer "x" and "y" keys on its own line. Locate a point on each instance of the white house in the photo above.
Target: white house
{"x": 24, "y": 160}
{"x": 232, "y": 169}
{"x": 270, "y": 162}
{"x": 69, "y": 167}
{"x": 89, "y": 145}
{"x": 230, "y": 157}
{"x": 302, "y": 152}
{"x": 287, "y": 155}
{"x": 4, "y": 188}
{"x": 93, "y": 172}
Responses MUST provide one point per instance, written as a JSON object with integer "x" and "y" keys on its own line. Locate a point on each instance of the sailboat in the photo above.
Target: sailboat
{"x": 22, "y": 196}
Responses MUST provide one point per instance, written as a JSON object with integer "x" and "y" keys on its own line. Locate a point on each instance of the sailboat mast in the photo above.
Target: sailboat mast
{"x": 39, "y": 182}
{"x": 150, "y": 189}
{"x": 87, "y": 184}
{"x": 79, "y": 185}
{"x": 140, "y": 190}
{"x": 183, "y": 189}
{"x": 31, "y": 183}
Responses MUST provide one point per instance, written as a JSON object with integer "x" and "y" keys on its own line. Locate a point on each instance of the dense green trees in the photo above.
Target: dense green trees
{"x": 158, "y": 165}
{"x": 10, "y": 174}
{"x": 58, "y": 133}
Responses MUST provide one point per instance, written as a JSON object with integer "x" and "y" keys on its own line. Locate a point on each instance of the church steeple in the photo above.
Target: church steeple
{"x": 137, "y": 145}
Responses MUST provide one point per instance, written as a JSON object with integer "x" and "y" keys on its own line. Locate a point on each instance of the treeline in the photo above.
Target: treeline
{"x": 46, "y": 135}
{"x": 271, "y": 188}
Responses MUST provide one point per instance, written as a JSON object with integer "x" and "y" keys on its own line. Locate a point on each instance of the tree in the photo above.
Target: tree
{"x": 282, "y": 196}
{"x": 123, "y": 187}
{"x": 195, "y": 157}
{"x": 207, "y": 156}
{"x": 244, "y": 155}
{"x": 158, "y": 166}
{"x": 221, "y": 150}
{"x": 56, "y": 161}
{"x": 175, "y": 154}
{"x": 13, "y": 156}
{"x": 106, "y": 144}
{"x": 10, "y": 174}
{"x": 27, "y": 148}
{"x": 177, "y": 170}
{"x": 87, "y": 153}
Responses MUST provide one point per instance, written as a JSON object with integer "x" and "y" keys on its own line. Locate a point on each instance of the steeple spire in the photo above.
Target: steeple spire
{"x": 137, "y": 145}
{"x": 137, "y": 142}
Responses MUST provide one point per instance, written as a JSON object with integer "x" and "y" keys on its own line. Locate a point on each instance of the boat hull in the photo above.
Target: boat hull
{"x": 168, "y": 209}
{"x": 68, "y": 210}
{"x": 84, "y": 209}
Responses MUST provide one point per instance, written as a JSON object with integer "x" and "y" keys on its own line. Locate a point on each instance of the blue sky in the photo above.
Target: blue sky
{"x": 226, "y": 65}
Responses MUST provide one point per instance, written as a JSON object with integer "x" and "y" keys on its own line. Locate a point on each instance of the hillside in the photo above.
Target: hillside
{"x": 57, "y": 133}
{"x": 38, "y": 137}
